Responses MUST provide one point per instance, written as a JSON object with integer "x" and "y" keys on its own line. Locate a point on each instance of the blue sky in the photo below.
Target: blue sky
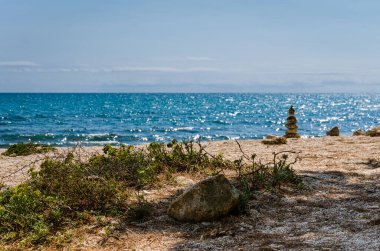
{"x": 187, "y": 46}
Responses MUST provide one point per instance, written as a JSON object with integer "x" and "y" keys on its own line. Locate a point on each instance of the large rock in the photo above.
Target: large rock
{"x": 207, "y": 200}
{"x": 333, "y": 131}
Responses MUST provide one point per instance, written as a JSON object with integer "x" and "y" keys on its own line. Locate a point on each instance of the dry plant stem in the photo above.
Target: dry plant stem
{"x": 79, "y": 150}
{"x": 241, "y": 150}
{"x": 297, "y": 158}
{"x": 22, "y": 168}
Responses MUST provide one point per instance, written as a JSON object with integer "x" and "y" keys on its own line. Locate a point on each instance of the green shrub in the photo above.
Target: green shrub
{"x": 256, "y": 175}
{"x": 125, "y": 164}
{"x": 21, "y": 149}
{"x": 25, "y": 212}
{"x": 139, "y": 167}
{"x": 55, "y": 194}
{"x": 79, "y": 186}
{"x": 187, "y": 156}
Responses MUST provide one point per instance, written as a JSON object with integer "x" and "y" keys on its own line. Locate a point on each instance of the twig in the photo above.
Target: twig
{"x": 291, "y": 163}
{"x": 241, "y": 150}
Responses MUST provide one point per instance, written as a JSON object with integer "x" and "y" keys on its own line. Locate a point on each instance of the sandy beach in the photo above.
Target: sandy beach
{"x": 338, "y": 210}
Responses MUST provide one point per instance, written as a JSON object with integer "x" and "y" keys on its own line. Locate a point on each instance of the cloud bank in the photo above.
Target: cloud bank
{"x": 18, "y": 64}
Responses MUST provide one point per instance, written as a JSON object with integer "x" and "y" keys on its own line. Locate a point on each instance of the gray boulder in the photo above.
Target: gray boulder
{"x": 333, "y": 131}
{"x": 207, "y": 200}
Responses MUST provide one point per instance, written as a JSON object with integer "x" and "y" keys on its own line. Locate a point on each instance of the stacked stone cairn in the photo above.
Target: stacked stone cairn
{"x": 291, "y": 125}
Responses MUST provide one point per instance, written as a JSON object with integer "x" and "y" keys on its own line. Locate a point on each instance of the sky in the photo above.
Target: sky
{"x": 190, "y": 46}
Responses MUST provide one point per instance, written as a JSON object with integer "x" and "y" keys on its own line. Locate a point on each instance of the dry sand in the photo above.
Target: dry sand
{"x": 338, "y": 210}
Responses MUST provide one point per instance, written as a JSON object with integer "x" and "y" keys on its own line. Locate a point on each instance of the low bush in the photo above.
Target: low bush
{"x": 55, "y": 194}
{"x": 270, "y": 176}
{"x": 139, "y": 167}
{"x": 253, "y": 175}
{"x": 125, "y": 164}
{"x": 187, "y": 156}
{"x": 77, "y": 185}
{"x": 21, "y": 149}
{"x": 27, "y": 213}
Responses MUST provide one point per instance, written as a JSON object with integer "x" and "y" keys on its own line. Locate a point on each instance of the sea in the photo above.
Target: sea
{"x": 98, "y": 119}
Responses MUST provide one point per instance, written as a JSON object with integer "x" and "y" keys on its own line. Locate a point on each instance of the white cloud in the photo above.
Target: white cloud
{"x": 187, "y": 58}
{"x": 18, "y": 64}
{"x": 118, "y": 69}
{"x": 161, "y": 69}
{"x": 198, "y": 59}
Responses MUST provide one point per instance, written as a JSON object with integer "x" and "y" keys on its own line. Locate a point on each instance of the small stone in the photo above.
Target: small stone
{"x": 292, "y": 135}
{"x": 373, "y": 132}
{"x": 373, "y": 207}
{"x": 184, "y": 181}
{"x": 291, "y": 120}
{"x": 291, "y": 110}
{"x": 291, "y": 126}
{"x": 246, "y": 226}
{"x": 270, "y": 137}
{"x": 291, "y": 131}
{"x": 333, "y": 131}
{"x": 358, "y": 133}
{"x": 208, "y": 200}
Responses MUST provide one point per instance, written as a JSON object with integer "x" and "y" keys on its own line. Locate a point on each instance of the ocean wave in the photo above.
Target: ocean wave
{"x": 15, "y": 118}
{"x": 185, "y": 129}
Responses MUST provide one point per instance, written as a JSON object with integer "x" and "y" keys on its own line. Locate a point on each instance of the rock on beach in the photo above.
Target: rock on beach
{"x": 207, "y": 200}
{"x": 373, "y": 132}
{"x": 333, "y": 131}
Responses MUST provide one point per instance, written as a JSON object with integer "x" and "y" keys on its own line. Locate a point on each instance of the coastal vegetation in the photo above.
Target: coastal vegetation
{"x": 66, "y": 192}
{"x": 21, "y": 149}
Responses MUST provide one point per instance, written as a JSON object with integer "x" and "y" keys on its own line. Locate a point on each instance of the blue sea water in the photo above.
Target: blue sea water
{"x": 97, "y": 119}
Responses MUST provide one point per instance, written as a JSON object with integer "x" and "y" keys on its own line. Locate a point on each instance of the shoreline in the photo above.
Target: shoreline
{"x": 89, "y": 144}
